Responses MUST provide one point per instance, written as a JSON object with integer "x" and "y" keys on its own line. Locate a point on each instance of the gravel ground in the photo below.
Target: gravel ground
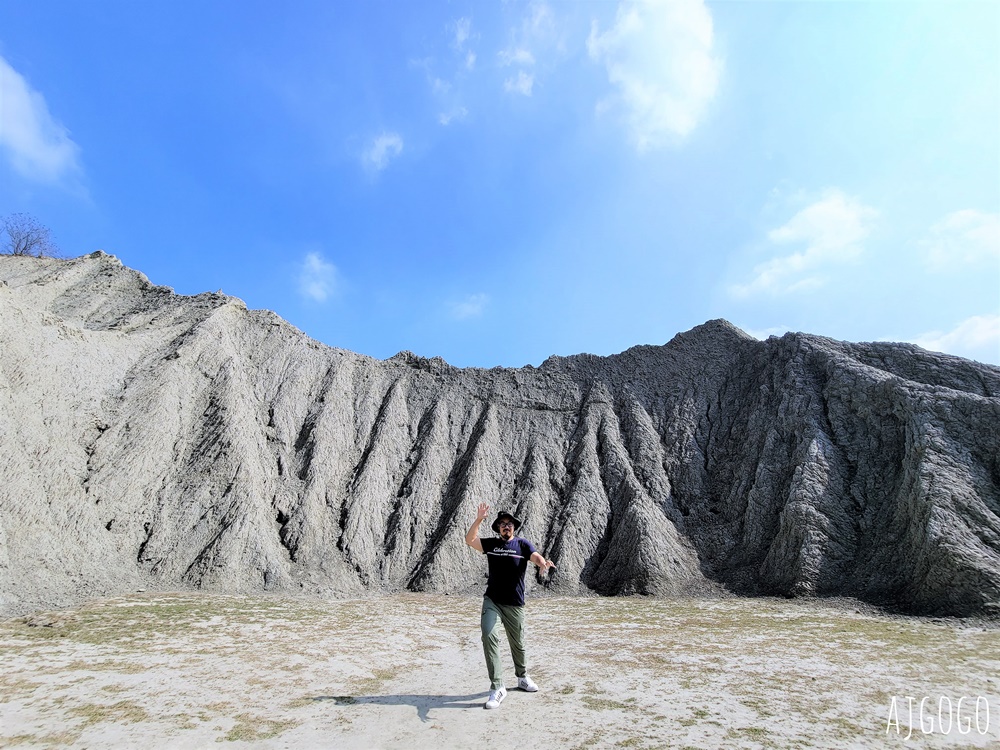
{"x": 183, "y": 670}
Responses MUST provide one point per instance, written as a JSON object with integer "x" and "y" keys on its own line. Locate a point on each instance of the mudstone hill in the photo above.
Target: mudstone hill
{"x": 149, "y": 439}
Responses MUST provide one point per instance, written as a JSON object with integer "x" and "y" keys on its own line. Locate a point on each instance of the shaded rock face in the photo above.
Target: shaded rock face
{"x": 152, "y": 439}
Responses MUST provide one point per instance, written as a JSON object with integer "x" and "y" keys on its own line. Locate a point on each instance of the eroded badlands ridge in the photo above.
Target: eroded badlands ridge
{"x": 150, "y": 438}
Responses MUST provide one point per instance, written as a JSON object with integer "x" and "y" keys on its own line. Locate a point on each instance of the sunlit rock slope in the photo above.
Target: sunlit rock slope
{"x": 152, "y": 439}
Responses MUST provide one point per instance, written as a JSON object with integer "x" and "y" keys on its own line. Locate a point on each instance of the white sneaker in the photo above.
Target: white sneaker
{"x": 526, "y": 684}
{"x": 496, "y": 697}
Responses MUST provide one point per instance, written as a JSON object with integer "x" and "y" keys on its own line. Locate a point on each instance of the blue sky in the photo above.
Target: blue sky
{"x": 494, "y": 183}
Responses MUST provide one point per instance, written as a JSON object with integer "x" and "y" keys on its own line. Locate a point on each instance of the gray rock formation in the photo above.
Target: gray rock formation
{"x": 151, "y": 439}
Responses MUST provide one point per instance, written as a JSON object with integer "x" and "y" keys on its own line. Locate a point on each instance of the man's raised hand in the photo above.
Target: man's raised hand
{"x": 472, "y": 537}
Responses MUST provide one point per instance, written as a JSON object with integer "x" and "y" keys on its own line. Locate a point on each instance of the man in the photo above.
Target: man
{"x": 503, "y": 602}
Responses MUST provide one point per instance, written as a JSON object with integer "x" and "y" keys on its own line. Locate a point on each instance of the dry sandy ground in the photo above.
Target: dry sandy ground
{"x": 406, "y": 671}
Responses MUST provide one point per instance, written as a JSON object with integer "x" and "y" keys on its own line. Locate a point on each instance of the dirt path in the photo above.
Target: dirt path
{"x": 405, "y": 671}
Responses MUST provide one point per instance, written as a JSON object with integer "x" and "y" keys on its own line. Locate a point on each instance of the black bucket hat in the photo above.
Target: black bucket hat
{"x": 505, "y": 514}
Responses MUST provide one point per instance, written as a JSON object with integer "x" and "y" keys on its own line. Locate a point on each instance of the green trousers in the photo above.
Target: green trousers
{"x": 512, "y": 619}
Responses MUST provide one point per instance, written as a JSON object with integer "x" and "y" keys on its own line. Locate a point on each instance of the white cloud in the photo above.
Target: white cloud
{"x": 961, "y": 239}
{"x": 537, "y": 28}
{"x": 462, "y": 35}
{"x": 523, "y": 84}
{"x": 659, "y": 56}
{"x": 540, "y": 19}
{"x": 516, "y": 56}
{"x": 454, "y": 115}
{"x": 382, "y": 150}
{"x": 317, "y": 277}
{"x": 448, "y": 90}
{"x": 536, "y": 35}
{"x": 38, "y": 146}
{"x": 462, "y": 29}
{"x": 471, "y": 307}
{"x": 829, "y": 232}
{"x": 762, "y": 334}
{"x": 977, "y": 337}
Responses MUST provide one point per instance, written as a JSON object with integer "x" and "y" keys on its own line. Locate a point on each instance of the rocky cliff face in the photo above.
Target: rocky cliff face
{"x": 149, "y": 438}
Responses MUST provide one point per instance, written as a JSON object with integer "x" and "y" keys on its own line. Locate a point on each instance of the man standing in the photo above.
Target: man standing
{"x": 503, "y": 602}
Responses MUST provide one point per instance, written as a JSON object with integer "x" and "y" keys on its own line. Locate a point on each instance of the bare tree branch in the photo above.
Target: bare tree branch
{"x": 26, "y": 236}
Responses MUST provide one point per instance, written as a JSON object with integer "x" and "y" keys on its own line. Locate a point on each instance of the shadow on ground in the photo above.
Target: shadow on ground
{"x": 423, "y": 703}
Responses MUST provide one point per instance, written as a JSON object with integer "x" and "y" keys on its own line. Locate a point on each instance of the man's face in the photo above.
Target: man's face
{"x": 506, "y": 527}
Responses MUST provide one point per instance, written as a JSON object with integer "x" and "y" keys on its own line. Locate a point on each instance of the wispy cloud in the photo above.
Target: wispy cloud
{"x": 453, "y": 115}
{"x": 447, "y": 87}
{"x": 461, "y": 32}
{"x": 828, "y": 232}
{"x": 762, "y": 334}
{"x": 317, "y": 278}
{"x": 471, "y": 307}
{"x": 383, "y": 149}
{"x": 977, "y": 337}
{"x": 38, "y": 146}
{"x": 462, "y": 35}
{"x": 536, "y": 34}
{"x": 522, "y": 84}
{"x": 540, "y": 20}
{"x": 516, "y": 56}
{"x": 660, "y": 57}
{"x": 962, "y": 239}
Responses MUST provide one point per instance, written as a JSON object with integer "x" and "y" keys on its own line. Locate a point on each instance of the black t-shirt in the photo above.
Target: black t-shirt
{"x": 508, "y": 562}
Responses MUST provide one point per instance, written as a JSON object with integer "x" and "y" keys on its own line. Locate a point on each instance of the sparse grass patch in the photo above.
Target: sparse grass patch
{"x": 757, "y": 733}
{"x": 126, "y": 712}
{"x": 594, "y": 740}
{"x": 53, "y": 740}
{"x": 251, "y": 728}
{"x": 632, "y": 742}
{"x": 107, "y": 665}
{"x": 15, "y": 687}
{"x": 19, "y": 739}
{"x": 606, "y": 704}
{"x": 372, "y": 685}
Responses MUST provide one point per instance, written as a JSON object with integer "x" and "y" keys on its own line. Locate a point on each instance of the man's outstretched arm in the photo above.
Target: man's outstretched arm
{"x": 472, "y": 537}
{"x": 541, "y": 562}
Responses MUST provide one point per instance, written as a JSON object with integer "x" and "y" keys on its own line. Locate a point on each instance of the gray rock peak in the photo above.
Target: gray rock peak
{"x": 153, "y": 439}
